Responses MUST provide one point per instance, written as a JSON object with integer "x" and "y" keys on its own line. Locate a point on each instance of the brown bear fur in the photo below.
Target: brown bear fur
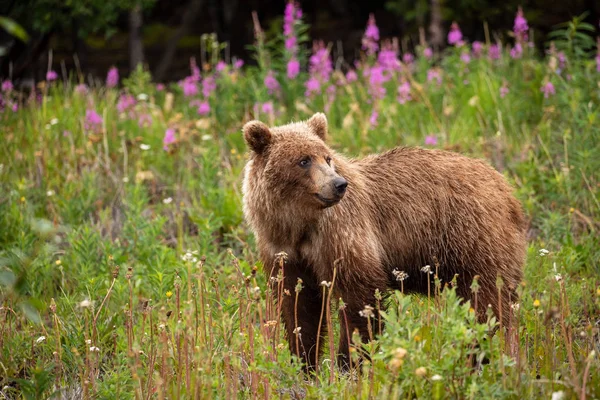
{"x": 403, "y": 209}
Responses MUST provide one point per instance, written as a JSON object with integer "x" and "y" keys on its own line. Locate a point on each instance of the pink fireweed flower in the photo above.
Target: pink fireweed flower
{"x": 404, "y": 92}
{"x": 465, "y": 57}
{"x": 293, "y": 68}
{"x": 430, "y": 140}
{"x": 387, "y": 58}
{"x": 289, "y": 17}
{"x": 15, "y": 107}
{"x": 81, "y": 89}
{"x": 112, "y": 77}
{"x": 455, "y": 35}
{"x": 189, "y": 86}
{"x": 209, "y": 85}
{"x": 51, "y": 76}
{"x": 433, "y": 74}
{"x": 237, "y": 64}
{"x": 352, "y": 77}
{"x": 160, "y": 87}
{"x": 548, "y": 89}
{"x": 427, "y": 53}
{"x": 504, "y": 90}
{"x": 203, "y": 108}
{"x": 562, "y": 60}
{"x": 271, "y": 83}
{"x": 313, "y": 86}
{"x": 290, "y": 43}
{"x": 221, "y": 65}
{"x": 125, "y": 103}
{"x": 7, "y": 86}
{"x": 169, "y": 138}
{"x": 93, "y": 121}
{"x": 477, "y": 48}
{"x": 494, "y": 52}
{"x": 520, "y": 27}
{"x": 195, "y": 76}
{"x": 373, "y": 119}
{"x": 267, "y": 107}
{"x": 145, "y": 120}
{"x": 320, "y": 64}
{"x": 376, "y": 80}
{"x": 517, "y": 51}
{"x": 371, "y": 37}
{"x": 408, "y": 58}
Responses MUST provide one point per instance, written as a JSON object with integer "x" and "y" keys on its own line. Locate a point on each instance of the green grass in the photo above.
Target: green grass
{"x": 130, "y": 273}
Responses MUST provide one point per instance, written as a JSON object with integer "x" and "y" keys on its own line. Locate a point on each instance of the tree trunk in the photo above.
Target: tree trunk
{"x": 436, "y": 30}
{"x": 189, "y": 16}
{"x": 136, "y": 45}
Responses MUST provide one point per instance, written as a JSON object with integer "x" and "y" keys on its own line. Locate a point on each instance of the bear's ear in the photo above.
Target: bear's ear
{"x": 318, "y": 124}
{"x": 257, "y": 135}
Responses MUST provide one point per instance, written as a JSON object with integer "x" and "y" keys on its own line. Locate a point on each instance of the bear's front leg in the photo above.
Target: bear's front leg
{"x": 301, "y": 317}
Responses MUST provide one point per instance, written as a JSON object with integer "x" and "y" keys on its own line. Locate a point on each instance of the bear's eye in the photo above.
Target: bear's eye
{"x": 305, "y": 162}
{"x": 328, "y": 160}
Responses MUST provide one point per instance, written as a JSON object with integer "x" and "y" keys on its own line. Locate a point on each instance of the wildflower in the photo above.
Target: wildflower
{"x": 320, "y": 65}
{"x": 290, "y": 43}
{"x": 404, "y": 92}
{"x": 112, "y": 77}
{"x": 169, "y": 294}
{"x": 376, "y": 80}
{"x": 289, "y": 17}
{"x": 515, "y": 306}
{"x": 293, "y": 68}
{"x": 51, "y": 76}
{"x": 408, "y": 58}
{"x": 189, "y": 86}
{"x": 477, "y": 48}
{"x": 81, "y": 89}
{"x": 400, "y": 275}
{"x": 93, "y": 121}
{"x": 326, "y": 284}
{"x": 430, "y": 140}
{"x": 436, "y": 377}
{"x": 160, "y": 87}
{"x": 562, "y": 60}
{"x": 271, "y": 83}
{"x": 465, "y": 57}
{"x": 558, "y": 277}
{"x": 50, "y": 193}
{"x": 208, "y": 86}
{"x": 352, "y": 77}
{"x": 548, "y": 89}
{"x": 203, "y": 108}
{"x": 145, "y": 120}
{"x": 54, "y": 121}
{"x": 195, "y": 76}
{"x": 297, "y": 330}
{"x": 313, "y": 86}
{"x": 517, "y": 51}
{"x": 371, "y": 37}
{"x": 169, "y": 138}
{"x": 504, "y": 90}
{"x": 494, "y": 52}
{"x": 237, "y": 64}
{"x": 40, "y": 339}
{"x": 536, "y": 303}
{"x": 387, "y": 59}
{"x": 455, "y": 35}
{"x": 433, "y": 74}
{"x": 427, "y": 53}
{"x": 144, "y": 146}
{"x": 427, "y": 269}
{"x": 66, "y": 133}
{"x": 168, "y": 200}
{"x": 543, "y": 252}
{"x": 421, "y": 372}
{"x": 367, "y": 312}
{"x": 373, "y": 119}
{"x": 558, "y": 395}
{"x": 94, "y": 349}
{"x": 520, "y": 27}
{"x": 85, "y": 303}
{"x": 142, "y": 97}
{"x": 267, "y": 107}
{"x": 221, "y": 65}
{"x": 7, "y": 86}
{"x": 125, "y": 103}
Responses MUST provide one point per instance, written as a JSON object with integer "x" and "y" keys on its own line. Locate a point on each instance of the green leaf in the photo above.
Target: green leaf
{"x": 7, "y": 278}
{"x": 30, "y": 312}
{"x": 14, "y": 29}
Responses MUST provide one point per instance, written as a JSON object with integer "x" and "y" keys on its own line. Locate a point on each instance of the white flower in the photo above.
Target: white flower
{"x": 50, "y": 193}
{"x": 297, "y": 330}
{"x": 206, "y": 137}
{"x": 515, "y": 306}
{"x": 142, "y": 97}
{"x": 558, "y": 395}
{"x": 558, "y": 277}
{"x": 436, "y": 377}
{"x": 400, "y": 275}
{"x": 85, "y": 304}
{"x": 144, "y": 146}
{"x": 367, "y": 312}
{"x": 88, "y": 341}
{"x": 125, "y": 179}
{"x": 168, "y": 200}
{"x": 255, "y": 290}
{"x": 543, "y": 252}
{"x": 94, "y": 349}
{"x": 427, "y": 269}
{"x": 54, "y": 121}
{"x": 326, "y": 284}
{"x": 40, "y": 339}
{"x": 190, "y": 256}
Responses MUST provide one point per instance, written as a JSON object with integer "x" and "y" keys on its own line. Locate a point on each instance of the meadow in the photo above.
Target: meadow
{"x": 127, "y": 271}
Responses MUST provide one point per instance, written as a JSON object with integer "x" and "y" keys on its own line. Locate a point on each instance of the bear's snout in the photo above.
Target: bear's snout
{"x": 340, "y": 185}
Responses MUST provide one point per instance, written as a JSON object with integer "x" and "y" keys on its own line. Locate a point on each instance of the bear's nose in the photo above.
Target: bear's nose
{"x": 340, "y": 185}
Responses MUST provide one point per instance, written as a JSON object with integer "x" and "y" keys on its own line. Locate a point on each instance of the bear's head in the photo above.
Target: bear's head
{"x": 293, "y": 164}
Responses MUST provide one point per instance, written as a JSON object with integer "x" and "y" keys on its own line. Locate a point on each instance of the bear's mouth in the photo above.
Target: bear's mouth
{"x": 328, "y": 202}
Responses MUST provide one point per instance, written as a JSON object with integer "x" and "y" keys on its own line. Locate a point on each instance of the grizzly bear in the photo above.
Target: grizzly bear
{"x": 375, "y": 219}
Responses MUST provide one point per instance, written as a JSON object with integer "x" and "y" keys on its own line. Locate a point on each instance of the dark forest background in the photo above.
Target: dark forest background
{"x": 164, "y": 34}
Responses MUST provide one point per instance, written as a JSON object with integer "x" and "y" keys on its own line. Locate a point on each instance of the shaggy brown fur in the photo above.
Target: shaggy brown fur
{"x": 403, "y": 209}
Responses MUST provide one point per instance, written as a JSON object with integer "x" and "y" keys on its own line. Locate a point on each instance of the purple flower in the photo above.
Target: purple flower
{"x": 562, "y": 60}
{"x": 371, "y": 37}
{"x": 290, "y": 43}
{"x": 112, "y": 77}
{"x": 373, "y": 119}
{"x": 598, "y": 63}
{"x": 169, "y": 138}
{"x": 548, "y": 89}
{"x": 93, "y": 121}
{"x": 433, "y": 74}
{"x": 51, "y": 76}
{"x": 494, "y": 52}
{"x": 7, "y": 86}
{"x": 293, "y": 68}
{"x": 66, "y": 133}
{"x": 195, "y": 76}
{"x": 504, "y": 90}
{"x": 404, "y": 92}
{"x": 465, "y": 57}
{"x": 430, "y": 140}
{"x": 520, "y": 27}
{"x": 477, "y": 48}
{"x": 237, "y": 64}
{"x": 208, "y": 86}
{"x": 427, "y": 53}
{"x": 160, "y": 87}
{"x": 145, "y": 121}
{"x": 455, "y": 35}
{"x": 81, "y": 89}
{"x": 376, "y": 80}
{"x": 387, "y": 59}
{"x": 190, "y": 88}
{"x": 352, "y": 77}
{"x": 267, "y": 107}
{"x": 221, "y": 65}
{"x": 271, "y": 83}
{"x": 517, "y": 51}
{"x": 203, "y": 108}
{"x": 125, "y": 103}
{"x": 313, "y": 86}
{"x": 408, "y": 58}
{"x": 320, "y": 64}
{"x": 289, "y": 17}
{"x": 15, "y": 107}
